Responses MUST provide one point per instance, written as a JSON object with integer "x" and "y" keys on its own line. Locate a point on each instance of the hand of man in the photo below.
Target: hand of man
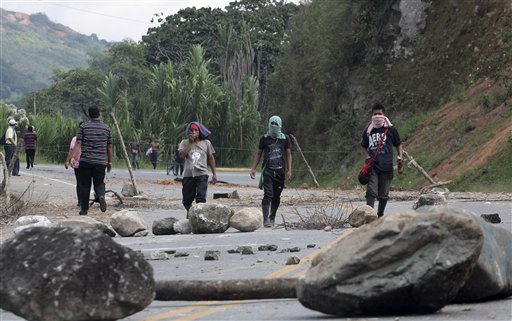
{"x": 400, "y": 165}
{"x": 214, "y": 179}
{"x": 253, "y": 173}
{"x": 289, "y": 174}
{"x": 66, "y": 165}
{"x": 109, "y": 167}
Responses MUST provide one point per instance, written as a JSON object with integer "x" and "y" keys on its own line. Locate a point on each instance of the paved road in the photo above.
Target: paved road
{"x": 58, "y": 183}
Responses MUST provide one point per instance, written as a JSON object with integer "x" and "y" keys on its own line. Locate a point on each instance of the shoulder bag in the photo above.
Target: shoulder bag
{"x": 366, "y": 170}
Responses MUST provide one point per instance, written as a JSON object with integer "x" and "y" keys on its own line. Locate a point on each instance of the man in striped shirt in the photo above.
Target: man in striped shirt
{"x": 94, "y": 140}
{"x": 30, "y": 139}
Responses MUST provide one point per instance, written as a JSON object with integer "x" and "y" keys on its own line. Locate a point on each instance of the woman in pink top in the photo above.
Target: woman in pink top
{"x": 74, "y": 162}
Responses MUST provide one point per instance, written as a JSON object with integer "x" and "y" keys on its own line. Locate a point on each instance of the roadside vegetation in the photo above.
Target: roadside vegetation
{"x": 318, "y": 65}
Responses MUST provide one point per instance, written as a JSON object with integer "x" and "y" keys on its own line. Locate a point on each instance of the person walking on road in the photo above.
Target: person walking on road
{"x": 179, "y": 163}
{"x": 30, "y": 139}
{"x": 94, "y": 140}
{"x": 155, "y": 150}
{"x": 381, "y": 129}
{"x": 135, "y": 148}
{"x": 198, "y": 152}
{"x": 11, "y": 143}
{"x": 275, "y": 147}
{"x": 74, "y": 162}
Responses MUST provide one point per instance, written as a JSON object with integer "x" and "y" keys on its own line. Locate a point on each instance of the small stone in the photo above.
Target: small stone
{"x": 310, "y": 246}
{"x": 295, "y": 249}
{"x": 259, "y": 261}
{"x": 181, "y": 254}
{"x": 231, "y": 251}
{"x": 328, "y": 228}
{"x": 491, "y": 218}
{"x": 211, "y": 255}
{"x": 292, "y": 260}
{"x": 170, "y": 251}
{"x": 267, "y": 247}
{"x": 245, "y": 250}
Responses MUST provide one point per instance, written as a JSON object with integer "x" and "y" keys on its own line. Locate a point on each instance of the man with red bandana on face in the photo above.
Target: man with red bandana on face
{"x": 198, "y": 152}
{"x": 382, "y": 172}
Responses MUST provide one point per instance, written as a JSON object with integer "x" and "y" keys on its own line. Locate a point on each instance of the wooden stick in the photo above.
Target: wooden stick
{"x": 4, "y": 188}
{"x": 128, "y": 164}
{"x": 418, "y": 167}
{"x": 242, "y": 289}
{"x": 305, "y": 161}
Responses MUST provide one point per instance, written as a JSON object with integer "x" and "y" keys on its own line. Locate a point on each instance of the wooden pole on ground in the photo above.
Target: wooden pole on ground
{"x": 305, "y": 161}
{"x": 418, "y": 167}
{"x": 4, "y": 188}
{"x": 242, "y": 289}
{"x": 123, "y": 147}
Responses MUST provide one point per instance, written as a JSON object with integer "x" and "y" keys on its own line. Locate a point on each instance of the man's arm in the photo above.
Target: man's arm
{"x": 185, "y": 150}
{"x": 211, "y": 161}
{"x": 76, "y": 149}
{"x": 255, "y": 162}
{"x": 289, "y": 163}
{"x": 109, "y": 158}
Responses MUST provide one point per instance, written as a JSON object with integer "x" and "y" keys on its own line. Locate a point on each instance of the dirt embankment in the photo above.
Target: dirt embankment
{"x": 465, "y": 135}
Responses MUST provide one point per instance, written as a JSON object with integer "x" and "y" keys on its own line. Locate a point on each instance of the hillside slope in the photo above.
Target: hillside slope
{"x": 469, "y": 141}
{"x": 33, "y": 47}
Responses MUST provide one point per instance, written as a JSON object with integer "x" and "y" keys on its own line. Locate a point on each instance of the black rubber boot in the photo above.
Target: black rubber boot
{"x": 370, "y": 201}
{"x": 382, "y": 206}
{"x": 265, "y": 208}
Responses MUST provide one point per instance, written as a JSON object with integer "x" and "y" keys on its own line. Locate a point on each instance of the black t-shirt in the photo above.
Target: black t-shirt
{"x": 384, "y": 160}
{"x": 274, "y": 151}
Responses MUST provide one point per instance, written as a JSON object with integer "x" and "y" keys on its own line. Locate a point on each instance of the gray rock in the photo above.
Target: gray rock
{"x": 155, "y": 255}
{"x": 247, "y": 219}
{"x": 432, "y": 199}
{"x": 245, "y": 250}
{"x": 361, "y": 215}
{"x": 491, "y": 218}
{"x": 27, "y": 221}
{"x": 492, "y": 275}
{"x": 127, "y": 223}
{"x": 268, "y": 247}
{"x": 310, "y": 246}
{"x": 128, "y": 190}
{"x": 401, "y": 263}
{"x": 181, "y": 254}
{"x": 233, "y": 251}
{"x": 182, "y": 226}
{"x": 212, "y": 255}
{"x": 86, "y": 221}
{"x": 164, "y": 226}
{"x": 209, "y": 218}
{"x": 292, "y": 260}
{"x": 72, "y": 274}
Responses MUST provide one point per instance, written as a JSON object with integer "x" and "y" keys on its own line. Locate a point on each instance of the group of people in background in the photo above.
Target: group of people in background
{"x": 90, "y": 154}
{"x": 11, "y": 144}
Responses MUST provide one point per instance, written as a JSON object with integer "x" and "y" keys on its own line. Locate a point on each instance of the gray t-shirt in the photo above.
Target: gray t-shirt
{"x": 196, "y": 162}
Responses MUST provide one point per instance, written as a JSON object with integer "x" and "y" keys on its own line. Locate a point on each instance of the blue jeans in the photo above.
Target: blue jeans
{"x": 135, "y": 161}
{"x": 10, "y": 150}
{"x": 194, "y": 188}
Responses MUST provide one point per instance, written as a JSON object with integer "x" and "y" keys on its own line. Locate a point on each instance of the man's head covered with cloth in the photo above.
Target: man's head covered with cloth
{"x": 274, "y": 127}
{"x": 203, "y": 131}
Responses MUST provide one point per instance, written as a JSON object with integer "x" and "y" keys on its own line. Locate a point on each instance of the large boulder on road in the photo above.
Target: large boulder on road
{"x": 164, "y": 226}
{"x": 361, "y": 215}
{"x": 247, "y": 219}
{"x": 128, "y": 223}
{"x": 85, "y": 221}
{"x": 401, "y": 263}
{"x": 492, "y": 275}
{"x": 209, "y": 218}
{"x": 72, "y": 274}
{"x": 27, "y": 221}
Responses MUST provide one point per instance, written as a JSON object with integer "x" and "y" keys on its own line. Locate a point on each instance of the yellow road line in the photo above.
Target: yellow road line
{"x": 212, "y": 310}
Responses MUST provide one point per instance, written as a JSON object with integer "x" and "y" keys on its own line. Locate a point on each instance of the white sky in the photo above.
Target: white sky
{"x": 112, "y": 20}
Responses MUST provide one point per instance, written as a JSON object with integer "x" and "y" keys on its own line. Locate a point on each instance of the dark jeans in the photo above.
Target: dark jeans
{"x": 273, "y": 185}
{"x": 378, "y": 187}
{"x": 31, "y": 154}
{"x": 194, "y": 188}
{"x": 77, "y": 187}
{"x": 153, "y": 158}
{"x": 86, "y": 172}
{"x": 135, "y": 161}
{"x": 10, "y": 150}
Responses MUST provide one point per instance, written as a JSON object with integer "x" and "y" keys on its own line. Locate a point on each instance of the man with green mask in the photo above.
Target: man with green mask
{"x": 277, "y": 159}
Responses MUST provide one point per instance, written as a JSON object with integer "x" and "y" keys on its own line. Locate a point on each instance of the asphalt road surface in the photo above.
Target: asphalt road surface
{"x": 58, "y": 183}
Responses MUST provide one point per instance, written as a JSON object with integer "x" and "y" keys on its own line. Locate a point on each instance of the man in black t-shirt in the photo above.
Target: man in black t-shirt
{"x": 277, "y": 159}
{"x": 381, "y": 129}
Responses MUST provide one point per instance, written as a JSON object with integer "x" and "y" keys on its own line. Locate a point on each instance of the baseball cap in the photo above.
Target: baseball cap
{"x": 12, "y": 122}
